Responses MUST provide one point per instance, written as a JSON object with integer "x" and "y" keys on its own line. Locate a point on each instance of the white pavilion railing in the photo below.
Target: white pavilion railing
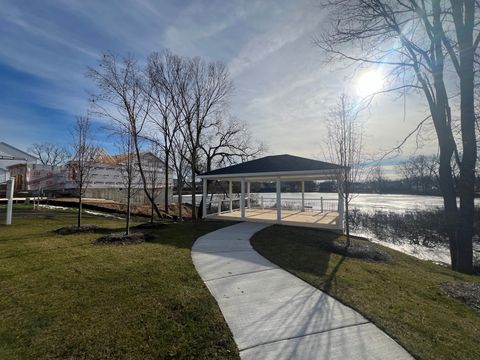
{"x": 310, "y": 204}
{"x": 218, "y": 205}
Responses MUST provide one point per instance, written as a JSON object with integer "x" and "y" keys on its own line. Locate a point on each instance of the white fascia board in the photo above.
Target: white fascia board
{"x": 271, "y": 176}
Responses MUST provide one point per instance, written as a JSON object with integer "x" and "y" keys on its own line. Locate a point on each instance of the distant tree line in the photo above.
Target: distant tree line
{"x": 419, "y": 175}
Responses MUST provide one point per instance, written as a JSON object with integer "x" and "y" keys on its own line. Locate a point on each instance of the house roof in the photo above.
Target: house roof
{"x": 275, "y": 166}
{"x": 105, "y": 158}
{"x": 8, "y": 150}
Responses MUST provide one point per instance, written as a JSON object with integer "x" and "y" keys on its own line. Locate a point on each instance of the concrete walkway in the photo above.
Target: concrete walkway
{"x": 275, "y": 315}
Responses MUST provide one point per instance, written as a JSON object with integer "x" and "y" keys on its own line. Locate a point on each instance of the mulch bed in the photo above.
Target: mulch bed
{"x": 467, "y": 292}
{"x": 150, "y": 225}
{"x": 357, "y": 250}
{"x": 67, "y": 230}
{"x": 122, "y": 239}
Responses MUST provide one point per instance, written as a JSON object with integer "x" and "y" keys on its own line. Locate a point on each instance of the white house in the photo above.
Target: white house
{"x": 10, "y": 155}
{"x": 107, "y": 179}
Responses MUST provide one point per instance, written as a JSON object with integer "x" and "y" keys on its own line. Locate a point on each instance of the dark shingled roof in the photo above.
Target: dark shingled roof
{"x": 275, "y": 163}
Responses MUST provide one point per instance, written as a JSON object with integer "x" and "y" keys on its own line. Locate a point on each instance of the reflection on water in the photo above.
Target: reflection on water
{"x": 365, "y": 202}
{"x": 383, "y": 202}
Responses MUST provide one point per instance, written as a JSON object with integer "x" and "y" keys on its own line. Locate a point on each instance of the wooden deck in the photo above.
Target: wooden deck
{"x": 325, "y": 220}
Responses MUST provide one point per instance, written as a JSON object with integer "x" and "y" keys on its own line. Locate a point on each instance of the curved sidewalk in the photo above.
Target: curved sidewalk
{"x": 275, "y": 315}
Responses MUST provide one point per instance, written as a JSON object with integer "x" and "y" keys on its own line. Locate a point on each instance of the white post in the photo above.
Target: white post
{"x": 321, "y": 203}
{"x": 303, "y": 196}
{"x": 341, "y": 209}
{"x": 204, "y": 209}
{"x": 230, "y": 195}
{"x": 248, "y": 194}
{"x": 10, "y": 188}
{"x": 242, "y": 198}
{"x": 263, "y": 207}
{"x": 219, "y": 206}
{"x": 279, "y": 202}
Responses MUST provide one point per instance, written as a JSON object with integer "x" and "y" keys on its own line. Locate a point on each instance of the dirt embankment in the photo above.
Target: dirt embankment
{"x": 110, "y": 206}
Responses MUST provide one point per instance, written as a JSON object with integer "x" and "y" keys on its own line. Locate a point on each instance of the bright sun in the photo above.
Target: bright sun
{"x": 369, "y": 83}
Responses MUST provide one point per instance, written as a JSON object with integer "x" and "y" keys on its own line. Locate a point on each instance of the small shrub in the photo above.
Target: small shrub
{"x": 67, "y": 230}
{"x": 425, "y": 227}
{"x": 122, "y": 239}
{"x": 357, "y": 249}
{"x": 151, "y": 225}
{"x": 467, "y": 292}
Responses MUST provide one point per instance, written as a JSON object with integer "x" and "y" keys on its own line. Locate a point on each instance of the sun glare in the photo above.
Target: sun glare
{"x": 369, "y": 83}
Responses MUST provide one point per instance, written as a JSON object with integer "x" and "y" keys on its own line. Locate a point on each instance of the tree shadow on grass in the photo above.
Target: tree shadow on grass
{"x": 304, "y": 250}
{"x": 327, "y": 287}
{"x": 183, "y": 234}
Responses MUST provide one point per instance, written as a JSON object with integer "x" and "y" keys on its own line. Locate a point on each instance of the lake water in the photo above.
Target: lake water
{"x": 383, "y": 202}
{"x": 364, "y": 202}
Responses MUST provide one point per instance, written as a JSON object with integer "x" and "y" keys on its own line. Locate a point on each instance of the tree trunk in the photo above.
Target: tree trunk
{"x": 209, "y": 168}
{"x": 152, "y": 209}
{"x": 449, "y": 201}
{"x": 447, "y": 184}
{"x": 441, "y": 117}
{"x": 194, "y": 200}
{"x": 129, "y": 196}
{"x": 179, "y": 190}
{"x": 346, "y": 200}
{"x": 200, "y": 209}
{"x": 347, "y": 222}
{"x": 167, "y": 155}
{"x": 469, "y": 155}
{"x": 464, "y": 19}
{"x": 79, "y": 215}
{"x": 142, "y": 175}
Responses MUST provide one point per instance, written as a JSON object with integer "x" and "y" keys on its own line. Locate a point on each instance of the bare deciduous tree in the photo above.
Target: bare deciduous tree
{"x": 376, "y": 178}
{"x": 344, "y": 144}
{"x": 155, "y": 175}
{"x": 181, "y": 163}
{"x": 415, "y": 41}
{"x": 228, "y": 142}
{"x": 124, "y": 99}
{"x": 128, "y": 168}
{"x": 203, "y": 96}
{"x": 420, "y": 172}
{"x": 166, "y": 73}
{"x": 84, "y": 156}
{"x": 50, "y": 154}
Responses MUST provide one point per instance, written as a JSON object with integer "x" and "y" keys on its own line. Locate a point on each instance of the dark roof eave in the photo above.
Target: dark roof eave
{"x": 272, "y": 175}
{"x": 274, "y": 166}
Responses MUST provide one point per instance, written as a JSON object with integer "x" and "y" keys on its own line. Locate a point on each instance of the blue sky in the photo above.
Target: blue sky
{"x": 283, "y": 89}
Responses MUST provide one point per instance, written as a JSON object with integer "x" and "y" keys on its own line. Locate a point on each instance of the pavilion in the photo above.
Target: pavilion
{"x": 323, "y": 213}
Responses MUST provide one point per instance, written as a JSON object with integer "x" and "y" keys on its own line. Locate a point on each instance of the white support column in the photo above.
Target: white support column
{"x": 10, "y": 188}
{"x": 279, "y": 202}
{"x": 242, "y": 199}
{"x": 248, "y": 194}
{"x": 303, "y": 196}
{"x": 230, "y": 195}
{"x": 204, "y": 209}
{"x": 341, "y": 208}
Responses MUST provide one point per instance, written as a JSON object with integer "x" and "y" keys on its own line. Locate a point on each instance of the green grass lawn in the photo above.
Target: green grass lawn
{"x": 62, "y": 297}
{"x": 401, "y": 296}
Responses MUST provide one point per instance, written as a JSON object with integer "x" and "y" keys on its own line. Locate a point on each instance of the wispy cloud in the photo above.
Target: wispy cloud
{"x": 283, "y": 89}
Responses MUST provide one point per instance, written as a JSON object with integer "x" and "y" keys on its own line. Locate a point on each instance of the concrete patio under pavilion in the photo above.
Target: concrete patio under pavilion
{"x": 320, "y": 213}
